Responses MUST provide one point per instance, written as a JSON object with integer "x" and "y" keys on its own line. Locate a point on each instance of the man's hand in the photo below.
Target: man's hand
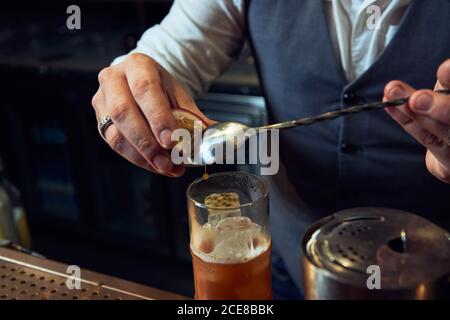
{"x": 138, "y": 95}
{"x": 427, "y": 118}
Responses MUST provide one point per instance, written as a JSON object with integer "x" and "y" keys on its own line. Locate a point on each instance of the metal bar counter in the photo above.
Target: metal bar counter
{"x": 26, "y": 277}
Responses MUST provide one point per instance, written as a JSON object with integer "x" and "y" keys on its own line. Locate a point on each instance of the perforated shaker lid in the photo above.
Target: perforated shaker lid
{"x": 408, "y": 249}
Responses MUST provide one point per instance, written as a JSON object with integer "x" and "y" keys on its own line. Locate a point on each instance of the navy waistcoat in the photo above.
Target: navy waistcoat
{"x": 360, "y": 160}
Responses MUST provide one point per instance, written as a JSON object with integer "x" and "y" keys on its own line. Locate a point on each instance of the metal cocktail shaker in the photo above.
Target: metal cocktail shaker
{"x": 374, "y": 253}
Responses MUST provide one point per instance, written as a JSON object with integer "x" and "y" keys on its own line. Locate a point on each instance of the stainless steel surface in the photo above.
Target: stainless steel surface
{"x": 225, "y": 133}
{"x": 220, "y": 135}
{"x": 412, "y": 253}
{"x": 24, "y": 277}
{"x": 242, "y": 109}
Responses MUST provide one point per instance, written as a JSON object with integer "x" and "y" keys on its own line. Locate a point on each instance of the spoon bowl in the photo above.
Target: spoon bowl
{"x": 234, "y": 134}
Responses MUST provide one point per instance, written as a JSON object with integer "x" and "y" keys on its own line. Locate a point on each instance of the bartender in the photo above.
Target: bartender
{"x": 312, "y": 57}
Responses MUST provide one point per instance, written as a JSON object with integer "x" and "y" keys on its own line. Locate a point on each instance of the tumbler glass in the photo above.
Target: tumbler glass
{"x": 230, "y": 241}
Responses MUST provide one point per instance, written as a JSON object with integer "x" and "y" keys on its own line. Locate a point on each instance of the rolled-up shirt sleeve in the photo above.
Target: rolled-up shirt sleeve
{"x": 196, "y": 41}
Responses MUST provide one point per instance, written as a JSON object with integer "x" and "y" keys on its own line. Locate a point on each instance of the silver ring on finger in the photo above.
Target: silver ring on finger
{"x": 103, "y": 125}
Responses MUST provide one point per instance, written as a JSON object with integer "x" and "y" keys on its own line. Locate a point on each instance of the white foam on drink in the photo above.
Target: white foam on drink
{"x": 232, "y": 240}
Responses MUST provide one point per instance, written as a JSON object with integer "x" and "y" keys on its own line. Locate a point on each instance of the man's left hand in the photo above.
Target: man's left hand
{"x": 427, "y": 118}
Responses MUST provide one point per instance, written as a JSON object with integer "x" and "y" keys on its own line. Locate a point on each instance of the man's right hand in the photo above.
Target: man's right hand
{"x": 138, "y": 94}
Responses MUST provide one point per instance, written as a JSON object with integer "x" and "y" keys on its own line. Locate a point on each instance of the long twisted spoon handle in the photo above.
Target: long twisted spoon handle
{"x": 340, "y": 113}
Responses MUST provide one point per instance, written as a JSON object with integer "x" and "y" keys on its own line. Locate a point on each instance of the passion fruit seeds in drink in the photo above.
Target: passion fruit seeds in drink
{"x": 221, "y": 206}
{"x": 229, "y": 237}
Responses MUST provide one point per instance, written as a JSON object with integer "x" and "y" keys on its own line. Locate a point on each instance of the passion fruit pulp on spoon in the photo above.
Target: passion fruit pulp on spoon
{"x": 188, "y": 120}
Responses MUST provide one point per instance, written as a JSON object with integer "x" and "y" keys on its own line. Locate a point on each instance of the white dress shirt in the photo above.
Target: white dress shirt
{"x": 359, "y": 41}
{"x": 199, "y": 39}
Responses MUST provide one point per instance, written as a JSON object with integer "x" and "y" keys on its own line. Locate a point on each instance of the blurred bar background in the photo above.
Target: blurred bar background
{"x": 85, "y": 204}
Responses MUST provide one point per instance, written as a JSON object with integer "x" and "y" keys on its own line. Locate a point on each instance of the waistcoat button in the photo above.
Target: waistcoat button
{"x": 350, "y": 98}
{"x": 349, "y": 148}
